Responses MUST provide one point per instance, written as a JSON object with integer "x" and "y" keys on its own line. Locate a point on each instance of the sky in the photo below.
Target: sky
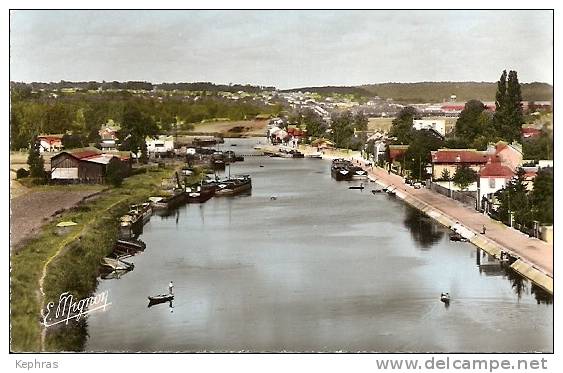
{"x": 285, "y": 49}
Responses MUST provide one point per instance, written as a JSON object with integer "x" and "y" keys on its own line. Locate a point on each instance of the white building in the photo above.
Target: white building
{"x": 438, "y": 125}
{"x": 493, "y": 177}
{"x": 50, "y": 143}
{"x": 160, "y": 144}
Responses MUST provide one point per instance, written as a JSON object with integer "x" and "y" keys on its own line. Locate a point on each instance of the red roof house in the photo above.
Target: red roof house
{"x": 451, "y": 159}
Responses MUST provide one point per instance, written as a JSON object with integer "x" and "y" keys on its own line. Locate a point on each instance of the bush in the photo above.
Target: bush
{"x": 138, "y": 171}
{"x": 114, "y": 174}
{"x": 21, "y": 173}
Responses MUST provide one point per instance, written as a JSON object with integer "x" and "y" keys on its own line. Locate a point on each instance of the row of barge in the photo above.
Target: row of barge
{"x": 342, "y": 169}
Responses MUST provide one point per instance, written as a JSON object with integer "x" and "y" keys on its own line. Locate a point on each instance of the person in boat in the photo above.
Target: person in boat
{"x": 171, "y": 287}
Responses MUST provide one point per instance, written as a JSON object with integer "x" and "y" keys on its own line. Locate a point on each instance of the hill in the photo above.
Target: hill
{"x": 439, "y": 91}
{"x": 329, "y": 90}
{"x": 424, "y": 92}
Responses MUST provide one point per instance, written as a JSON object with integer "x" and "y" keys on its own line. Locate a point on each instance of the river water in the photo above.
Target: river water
{"x": 321, "y": 268}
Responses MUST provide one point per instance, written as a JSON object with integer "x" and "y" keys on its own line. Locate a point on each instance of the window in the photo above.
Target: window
{"x": 492, "y": 182}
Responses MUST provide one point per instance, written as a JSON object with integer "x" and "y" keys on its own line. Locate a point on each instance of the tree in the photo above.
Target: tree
{"x": 467, "y": 125}
{"x": 418, "y": 153}
{"x": 342, "y": 129}
{"x": 445, "y": 176}
{"x": 136, "y": 127}
{"x": 475, "y": 125}
{"x": 508, "y": 116}
{"x": 114, "y": 174}
{"x": 513, "y": 115}
{"x": 542, "y": 196}
{"x": 359, "y": 128}
{"x": 538, "y": 148}
{"x": 35, "y": 161}
{"x": 401, "y": 127}
{"x": 513, "y": 200}
{"x": 500, "y": 97}
{"x": 71, "y": 141}
{"x": 464, "y": 176}
{"x": 314, "y": 123}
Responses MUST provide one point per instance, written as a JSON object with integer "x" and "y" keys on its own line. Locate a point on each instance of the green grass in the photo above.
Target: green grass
{"x": 72, "y": 262}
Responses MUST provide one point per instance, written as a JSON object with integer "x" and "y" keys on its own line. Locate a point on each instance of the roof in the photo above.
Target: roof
{"x": 162, "y": 138}
{"x": 121, "y": 154}
{"x": 397, "y": 150}
{"x": 320, "y": 141}
{"x": 81, "y": 153}
{"x": 101, "y": 159}
{"x": 57, "y": 136}
{"x": 458, "y": 156}
{"x": 295, "y": 131}
{"x": 496, "y": 169}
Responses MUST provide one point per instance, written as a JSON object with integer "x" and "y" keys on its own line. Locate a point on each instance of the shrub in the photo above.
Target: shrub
{"x": 21, "y": 173}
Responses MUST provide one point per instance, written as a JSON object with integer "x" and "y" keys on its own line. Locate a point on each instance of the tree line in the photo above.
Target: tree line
{"x": 83, "y": 114}
{"x": 142, "y": 85}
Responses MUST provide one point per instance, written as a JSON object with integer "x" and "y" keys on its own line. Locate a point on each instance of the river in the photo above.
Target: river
{"x": 321, "y": 268}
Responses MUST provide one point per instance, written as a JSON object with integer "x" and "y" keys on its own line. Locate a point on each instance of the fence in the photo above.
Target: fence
{"x": 467, "y": 198}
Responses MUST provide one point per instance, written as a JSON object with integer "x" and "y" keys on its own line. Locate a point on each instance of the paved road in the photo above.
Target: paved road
{"x": 533, "y": 250}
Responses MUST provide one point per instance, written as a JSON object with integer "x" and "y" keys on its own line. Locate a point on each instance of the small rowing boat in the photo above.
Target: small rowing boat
{"x": 161, "y": 298}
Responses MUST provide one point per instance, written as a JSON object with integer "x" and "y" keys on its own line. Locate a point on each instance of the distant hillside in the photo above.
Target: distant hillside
{"x": 328, "y": 90}
{"x": 439, "y": 91}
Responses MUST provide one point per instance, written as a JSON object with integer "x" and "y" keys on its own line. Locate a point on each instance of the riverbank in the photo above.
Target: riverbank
{"x": 534, "y": 257}
{"x": 55, "y": 262}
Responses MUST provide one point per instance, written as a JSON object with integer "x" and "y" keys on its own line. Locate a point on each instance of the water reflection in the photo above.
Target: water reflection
{"x": 490, "y": 266}
{"x": 424, "y": 231}
{"x": 542, "y": 296}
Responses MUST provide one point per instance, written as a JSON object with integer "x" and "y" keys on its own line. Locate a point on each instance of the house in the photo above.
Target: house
{"x": 396, "y": 155}
{"x": 50, "y": 143}
{"x": 108, "y": 145}
{"x": 160, "y": 145}
{"x": 492, "y": 177}
{"x": 451, "y": 159}
{"x": 322, "y": 144}
{"x": 108, "y": 133}
{"x": 509, "y": 154}
{"x": 438, "y": 125}
{"x": 86, "y": 165}
{"x": 397, "y": 152}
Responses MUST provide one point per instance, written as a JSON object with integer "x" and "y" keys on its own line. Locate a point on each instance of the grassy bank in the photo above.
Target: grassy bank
{"x": 69, "y": 262}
